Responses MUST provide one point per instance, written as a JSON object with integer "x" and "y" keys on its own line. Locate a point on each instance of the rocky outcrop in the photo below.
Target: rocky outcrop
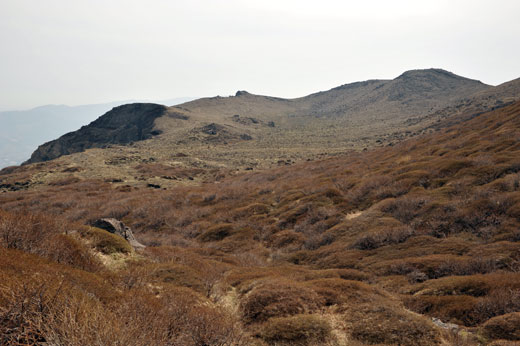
{"x": 121, "y": 125}
{"x": 217, "y": 133}
{"x": 117, "y": 227}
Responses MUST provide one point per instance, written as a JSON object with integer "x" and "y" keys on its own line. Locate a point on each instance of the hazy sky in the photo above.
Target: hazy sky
{"x": 91, "y": 51}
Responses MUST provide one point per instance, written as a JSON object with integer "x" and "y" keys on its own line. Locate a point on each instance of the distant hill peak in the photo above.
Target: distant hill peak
{"x": 242, "y": 93}
{"x": 429, "y": 71}
{"x": 433, "y": 73}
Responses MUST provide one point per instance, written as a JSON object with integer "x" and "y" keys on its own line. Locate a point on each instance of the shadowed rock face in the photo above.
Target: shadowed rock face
{"x": 121, "y": 125}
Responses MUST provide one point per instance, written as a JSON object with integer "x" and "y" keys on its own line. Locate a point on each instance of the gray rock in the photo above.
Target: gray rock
{"x": 117, "y": 227}
{"x": 448, "y": 326}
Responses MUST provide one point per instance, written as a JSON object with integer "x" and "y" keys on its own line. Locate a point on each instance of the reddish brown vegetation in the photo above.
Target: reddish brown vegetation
{"x": 503, "y": 327}
{"x": 432, "y": 221}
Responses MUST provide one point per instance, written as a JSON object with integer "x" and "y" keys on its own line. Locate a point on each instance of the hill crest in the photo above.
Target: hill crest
{"x": 258, "y": 131}
{"x": 121, "y": 125}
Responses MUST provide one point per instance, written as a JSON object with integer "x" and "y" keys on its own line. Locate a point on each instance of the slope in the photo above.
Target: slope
{"x": 248, "y": 131}
{"x": 338, "y": 250}
{"x": 484, "y": 101}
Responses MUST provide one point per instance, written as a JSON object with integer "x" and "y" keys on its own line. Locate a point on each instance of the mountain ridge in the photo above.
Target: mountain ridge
{"x": 122, "y": 125}
{"x": 218, "y": 136}
{"x": 22, "y": 131}
{"x": 357, "y": 114}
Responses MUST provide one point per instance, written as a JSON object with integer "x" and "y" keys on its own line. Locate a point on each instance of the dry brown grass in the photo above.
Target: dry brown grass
{"x": 278, "y": 299}
{"x": 386, "y": 324}
{"x": 436, "y": 226}
{"x": 503, "y": 327}
{"x": 296, "y": 330}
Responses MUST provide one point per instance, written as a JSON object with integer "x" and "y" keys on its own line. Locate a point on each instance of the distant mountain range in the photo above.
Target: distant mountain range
{"x": 22, "y": 131}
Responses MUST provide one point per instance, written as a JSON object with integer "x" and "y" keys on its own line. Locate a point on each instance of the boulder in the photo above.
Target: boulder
{"x": 117, "y": 227}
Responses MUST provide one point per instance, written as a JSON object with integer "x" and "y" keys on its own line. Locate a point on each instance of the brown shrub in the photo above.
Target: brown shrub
{"x": 472, "y": 285}
{"x": 353, "y": 274}
{"x": 199, "y": 324}
{"x": 435, "y": 266}
{"x": 278, "y": 299}
{"x": 49, "y": 312}
{"x": 514, "y": 210}
{"x": 36, "y": 305}
{"x": 295, "y": 330}
{"x": 450, "y": 167}
{"x": 499, "y": 302}
{"x": 338, "y": 291}
{"x": 503, "y": 327}
{"x": 252, "y": 209}
{"x": 286, "y": 238}
{"x": 65, "y": 249}
{"x": 455, "y": 309}
{"x": 376, "y": 239}
{"x": 345, "y": 274}
{"x": 42, "y": 235}
{"x": 289, "y": 218}
{"x": 216, "y": 233}
{"x": 26, "y": 231}
{"x": 180, "y": 275}
{"x": 404, "y": 209}
{"x": 83, "y": 309}
{"x": 504, "y": 343}
{"x": 387, "y": 325}
{"x": 106, "y": 242}
{"x": 64, "y": 181}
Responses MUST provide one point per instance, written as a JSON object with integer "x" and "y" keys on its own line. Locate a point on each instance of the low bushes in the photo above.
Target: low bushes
{"x": 217, "y": 232}
{"x": 469, "y": 300}
{"x": 42, "y": 235}
{"x": 286, "y": 238}
{"x": 78, "y": 308}
{"x": 473, "y": 285}
{"x": 26, "y": 231}
{"x": 295, "y": 330}
{"x": 66, "y": 249}
{"x": 252, "y": 209}
{"x": 503, "y": 327}
{"x": 404, "y": 209}
{"x": 278, "y": 299}
{"x": 107, "y": 242}
{"x": 374, "y": 323}
{"x": 435, "y": 266}
{"x": 455, "y": 309}
{"x": 376, "y": 239}
{"x": 338, "y": 291}
{"x": 179, "y": 275}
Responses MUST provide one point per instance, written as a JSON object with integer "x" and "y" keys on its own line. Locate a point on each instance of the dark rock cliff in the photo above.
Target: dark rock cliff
{"x": 122, "y": 125}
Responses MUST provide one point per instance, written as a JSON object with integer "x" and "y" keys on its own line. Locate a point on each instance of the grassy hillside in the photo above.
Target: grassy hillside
{"x": 362, "y": 249}
{"x": 252, "y": 131}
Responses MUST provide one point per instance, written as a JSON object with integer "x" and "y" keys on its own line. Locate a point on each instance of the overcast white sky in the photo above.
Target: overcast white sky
{"x": 92, "y": 51}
